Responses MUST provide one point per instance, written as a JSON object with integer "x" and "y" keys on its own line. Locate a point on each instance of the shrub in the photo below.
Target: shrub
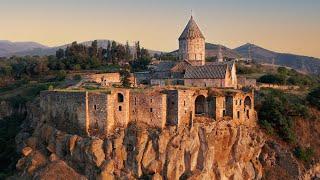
{"x": 304, "y": 154}
{"x": 77, "y": 77}
{"x": 314, "y": 97}
{"x": 272, "y": 79}
{"x": 61, "y": 75}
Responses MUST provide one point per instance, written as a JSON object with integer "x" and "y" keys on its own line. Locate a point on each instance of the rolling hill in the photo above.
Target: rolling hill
{"x": 44, "y": 50}
{"x": 8, "y": 47}
{"x": 264, "y": 56}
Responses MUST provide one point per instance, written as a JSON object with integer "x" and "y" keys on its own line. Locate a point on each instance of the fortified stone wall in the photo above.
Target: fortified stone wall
{"x": 149, "y": 108}
{"x": 186, "y": 107}
{"x": 120, "y": 106}
{"x": 98, "y": 113}
{"x": 65, "y": 111}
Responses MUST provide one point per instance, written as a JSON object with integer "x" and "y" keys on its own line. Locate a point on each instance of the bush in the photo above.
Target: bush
{"x": 9, "y": 127}
{"x": 61, "y": 75}
{"x": 77, "y": 77}
{"x": 304, "y": 154}
{"x": 314, "y": 97}
{"x": 272, "y": 79}
{"x": 276, "y": 110}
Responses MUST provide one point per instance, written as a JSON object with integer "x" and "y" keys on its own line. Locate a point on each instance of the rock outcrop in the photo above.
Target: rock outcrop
{"x": 218, "y": 150}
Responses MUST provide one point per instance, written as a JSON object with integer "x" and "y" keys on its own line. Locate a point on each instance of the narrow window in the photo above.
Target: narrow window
{"x": 135, "y": 101}
{"x": 224, "y": 113}
{"x": 151, "y": 100}
{"x": 240, "y": 102}
{"x": 184, "y": 103}
{"x": 236, "y": 102}
{"x": 95, "y": 107}
{"x": 248, "y": 114}
{"x": 238, "y": 114}
{"x": 151, "y": 109}
{"x": 120, "y": 108}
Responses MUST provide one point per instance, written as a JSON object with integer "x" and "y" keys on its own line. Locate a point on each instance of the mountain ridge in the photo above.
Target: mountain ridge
{"x": 259, "y": 54}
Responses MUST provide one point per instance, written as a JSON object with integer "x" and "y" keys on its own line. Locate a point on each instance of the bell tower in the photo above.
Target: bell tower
{"x": 192, "y": 44}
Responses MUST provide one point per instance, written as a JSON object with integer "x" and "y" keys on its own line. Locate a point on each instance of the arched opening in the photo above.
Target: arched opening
{"x": 247, "y": 106}
{"x": 200, "y": 105}
{"x": 120, "y": 97}
{"x": 247, "y": 102}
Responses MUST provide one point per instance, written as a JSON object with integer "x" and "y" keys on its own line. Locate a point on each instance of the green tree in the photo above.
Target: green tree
{"x": 125, "y": 78}
{"x": 60, "y": 53}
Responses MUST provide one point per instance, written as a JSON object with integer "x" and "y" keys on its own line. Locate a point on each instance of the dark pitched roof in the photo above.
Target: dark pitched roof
{"x": 206, "y": 72}
{"x": 181, "y": 66}
{"x": 229, "y": 63}
{"x": 191, "y": 31}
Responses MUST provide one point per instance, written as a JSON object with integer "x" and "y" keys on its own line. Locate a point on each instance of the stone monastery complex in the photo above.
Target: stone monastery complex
{"x": 179, "y": 94}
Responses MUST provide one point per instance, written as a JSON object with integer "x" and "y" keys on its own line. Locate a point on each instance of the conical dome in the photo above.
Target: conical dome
{"x": 191, "y": 31}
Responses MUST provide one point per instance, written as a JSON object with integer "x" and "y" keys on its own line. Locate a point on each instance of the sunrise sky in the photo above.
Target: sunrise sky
{"x": 282, "y": 25}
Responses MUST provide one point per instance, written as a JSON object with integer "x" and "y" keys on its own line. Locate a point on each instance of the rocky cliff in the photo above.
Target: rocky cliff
{"x": 212, "y": 151}
{"x": 217, "y": 150}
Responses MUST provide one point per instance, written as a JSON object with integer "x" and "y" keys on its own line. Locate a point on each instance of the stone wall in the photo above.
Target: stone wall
{"x": 98, "y": 113}
{"x": 205, "y": 82}
{"x": 149, "y": 108}
{"x": 65, "y": 111}
{"x": 105, "y": 79}
{"x": 120, "y": 108}
{"x": 245, "y": 82}
{"x": 193, "y": 50}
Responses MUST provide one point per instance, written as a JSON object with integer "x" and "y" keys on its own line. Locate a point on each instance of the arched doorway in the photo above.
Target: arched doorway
{"x": 247, "y": 106}
{"x": 200, "y": 105}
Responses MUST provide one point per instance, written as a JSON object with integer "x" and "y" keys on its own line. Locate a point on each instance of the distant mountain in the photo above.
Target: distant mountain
{"x": 213, "y": 49}
{"x": 43, "y": 51}
{"x": 8, "y": 47}
{"x": 298, "y": 62}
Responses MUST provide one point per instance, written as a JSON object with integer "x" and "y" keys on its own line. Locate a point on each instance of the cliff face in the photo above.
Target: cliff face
{"x": 219, "y": 150}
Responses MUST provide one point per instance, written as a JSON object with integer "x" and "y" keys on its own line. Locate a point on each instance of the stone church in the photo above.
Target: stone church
{"x": 192, "y": 69}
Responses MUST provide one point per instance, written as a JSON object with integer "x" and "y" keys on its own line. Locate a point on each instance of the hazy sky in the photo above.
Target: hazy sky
{"x": 282, "y": 25}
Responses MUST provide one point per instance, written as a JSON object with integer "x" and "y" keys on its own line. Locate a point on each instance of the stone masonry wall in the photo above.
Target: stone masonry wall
{"x": 205, "y": 82}
{"x": 64, "y": 110}
{"x": 149, "y": 108}
{"x": 97, "y": 111}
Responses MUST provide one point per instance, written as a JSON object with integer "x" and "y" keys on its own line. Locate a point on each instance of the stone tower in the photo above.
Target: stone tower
{"x": 192, "y": 44}
{"x": 219, "y": 55}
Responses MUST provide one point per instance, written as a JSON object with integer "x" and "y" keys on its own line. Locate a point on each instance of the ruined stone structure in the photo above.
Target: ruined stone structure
{"x": 105, "y": 79}
{"x": 192, "y": 44}
{"x": 98, "y": 113}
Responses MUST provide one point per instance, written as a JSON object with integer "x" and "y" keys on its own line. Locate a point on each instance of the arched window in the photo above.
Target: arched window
{"x": 247, "y": 102}
{"x": 120, "y": 97}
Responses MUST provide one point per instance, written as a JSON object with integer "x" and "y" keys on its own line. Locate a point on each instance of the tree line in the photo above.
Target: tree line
{"x": 77, "y": 57}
